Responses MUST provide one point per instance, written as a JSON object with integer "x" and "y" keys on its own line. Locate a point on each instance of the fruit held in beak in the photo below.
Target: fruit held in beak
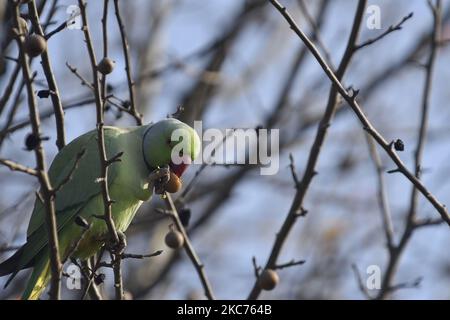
{"x": 174, "y": 184}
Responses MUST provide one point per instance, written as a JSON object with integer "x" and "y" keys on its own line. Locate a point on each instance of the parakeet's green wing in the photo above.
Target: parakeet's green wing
{"x": 82, "y": 184}
{"x": 76, "y": 192}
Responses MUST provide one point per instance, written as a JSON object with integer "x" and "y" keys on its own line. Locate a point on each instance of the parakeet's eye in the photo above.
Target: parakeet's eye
{"x": 171, "y": 143}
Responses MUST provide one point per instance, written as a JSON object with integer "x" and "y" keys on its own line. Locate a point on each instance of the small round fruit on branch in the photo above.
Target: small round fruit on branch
{"x": 174, "y": 184}
{"x": 174, "y": 239}
{"x": 268, "y": 280}
{"x": 106, "y": 66}
{"x": 35, "y": 45}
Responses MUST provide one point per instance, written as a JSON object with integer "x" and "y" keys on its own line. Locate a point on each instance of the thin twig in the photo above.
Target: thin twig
{"x": 316, "y": 29}
{"x": 137, "y": 116}
{"x": 293, "y": 170}
{"x": 18, "y": 167}
{"x": 58, "y": 29}
{"x": 289, "y": 264}
{"x": 428, "y": 223}
{"x": 83, "y": 80}
{"x": 382, "y": 196}
{"x": 389, "y": 30}
{"x": 256, "y": 268}
{"x": 198, "y": 265}
{"x": 91, "y": 277}
{"x": 406, "y": 285}
{"x": 105, "y": 48}
{"x": 360, "y": 282}
{"x": 141, "y": 256}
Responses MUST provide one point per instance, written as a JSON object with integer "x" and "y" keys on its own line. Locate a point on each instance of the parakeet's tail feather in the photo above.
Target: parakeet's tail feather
{"x": 14, "y": 264}
{"x": 10, "y": 266}
{"x": 38, "y": 279}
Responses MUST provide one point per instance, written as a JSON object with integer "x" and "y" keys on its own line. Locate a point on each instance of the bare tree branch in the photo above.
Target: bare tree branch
{"x": 107, "y": 201}
{"x": 367, "y": 125}
{"x": 396, "y": 251}
{"x": 18, "y": 167}
{"x": 51, "y": 81}
{"x": 46, "y": 188}
{"x": 382, "y": 196}
{"x": 296, "y": 208}
{"x": 388, "y": 31}
{"x": 137, "y": 116}
{"x": 199, "y": 267}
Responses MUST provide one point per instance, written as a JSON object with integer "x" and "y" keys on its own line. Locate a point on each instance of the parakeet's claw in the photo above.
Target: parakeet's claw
{"x": 158, "y": 178}
{"x": 122, "y": 242}
{"x": 159, "y": 173}
{"x": 119, "y": 247}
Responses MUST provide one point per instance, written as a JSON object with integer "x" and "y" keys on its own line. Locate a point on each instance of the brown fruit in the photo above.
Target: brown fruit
{"x": 268, "y": 280}
{"x": 174, "y": 184}
{"x": 174, "y": 239}
{"x": 106, "y": 66}
{"x": 35, "y": 45}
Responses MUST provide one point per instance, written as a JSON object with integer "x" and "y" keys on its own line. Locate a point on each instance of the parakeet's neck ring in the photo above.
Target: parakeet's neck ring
{"x": 147, "y": 164}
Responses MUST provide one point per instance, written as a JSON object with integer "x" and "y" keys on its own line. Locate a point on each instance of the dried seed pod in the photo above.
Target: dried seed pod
{"x": 35, "y": 45}
{"x": 99, "y": 278}
{"x": 268, "y": 280}
{"x": 399, "y": 145}
{"x": 106, "y": 66}
{"x": 174, "y": 184}
{"x": 174, "y": 239}
{"x": 32, "y": 141}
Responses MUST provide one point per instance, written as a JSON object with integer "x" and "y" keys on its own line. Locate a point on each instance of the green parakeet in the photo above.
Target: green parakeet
{"x": 144, "y": 148}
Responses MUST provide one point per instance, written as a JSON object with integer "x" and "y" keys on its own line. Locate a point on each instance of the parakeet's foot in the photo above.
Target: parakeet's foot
{"x": 162, "y": 179}
{"x": 118, "y": 247}
{"x": 158, "y": 178}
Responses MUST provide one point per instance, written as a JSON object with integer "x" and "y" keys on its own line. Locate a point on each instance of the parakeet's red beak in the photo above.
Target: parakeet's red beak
{"x": 179, "y": 169}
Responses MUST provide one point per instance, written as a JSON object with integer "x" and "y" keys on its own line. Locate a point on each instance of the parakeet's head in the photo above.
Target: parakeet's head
{"x": 171, "y": 142}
